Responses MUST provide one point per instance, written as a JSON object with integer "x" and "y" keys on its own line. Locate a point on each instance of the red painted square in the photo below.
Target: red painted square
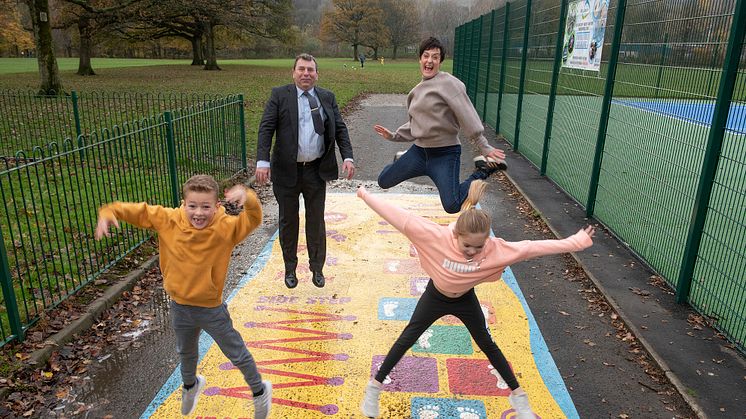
{"x": 474, "y": 377}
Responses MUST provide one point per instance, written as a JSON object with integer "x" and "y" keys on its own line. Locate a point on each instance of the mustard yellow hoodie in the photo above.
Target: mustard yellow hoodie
{"x": 194, "y": 262}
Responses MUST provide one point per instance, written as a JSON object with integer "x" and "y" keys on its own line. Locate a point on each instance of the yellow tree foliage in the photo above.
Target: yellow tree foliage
{"x": 12, "y": 34}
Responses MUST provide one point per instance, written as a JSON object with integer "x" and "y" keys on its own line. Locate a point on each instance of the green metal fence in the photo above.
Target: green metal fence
{"x": 30, "y": 120}
{"x": 653, "y": 144}
{"x": 51, "y": 194}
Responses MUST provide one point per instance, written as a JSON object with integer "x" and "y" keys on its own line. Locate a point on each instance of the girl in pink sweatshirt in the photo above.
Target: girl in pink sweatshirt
{"x": 457, "y": 257}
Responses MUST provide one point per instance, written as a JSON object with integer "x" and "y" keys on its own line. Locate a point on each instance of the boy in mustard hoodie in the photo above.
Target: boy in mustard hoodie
{"x": 195, "y": 242}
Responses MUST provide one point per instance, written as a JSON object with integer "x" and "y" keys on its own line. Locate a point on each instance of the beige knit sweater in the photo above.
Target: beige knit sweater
{"x": 438, "y": 108}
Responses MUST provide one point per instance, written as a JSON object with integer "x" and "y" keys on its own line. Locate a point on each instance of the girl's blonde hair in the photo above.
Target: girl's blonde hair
{"x": 472, "y": 219}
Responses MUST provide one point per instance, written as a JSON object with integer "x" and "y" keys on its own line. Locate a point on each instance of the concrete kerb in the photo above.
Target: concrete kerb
{"x": 93, "y": 311}
{"x": 625, "y": 319}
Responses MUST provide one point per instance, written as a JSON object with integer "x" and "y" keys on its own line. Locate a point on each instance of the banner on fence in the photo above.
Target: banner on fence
{"x": 584, "y": 34}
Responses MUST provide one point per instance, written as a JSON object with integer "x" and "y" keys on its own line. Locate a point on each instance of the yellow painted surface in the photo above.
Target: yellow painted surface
{"x": 317, "y": 345}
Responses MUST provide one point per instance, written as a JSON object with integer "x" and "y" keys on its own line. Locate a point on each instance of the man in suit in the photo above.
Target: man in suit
{"x": 306, "y": 124}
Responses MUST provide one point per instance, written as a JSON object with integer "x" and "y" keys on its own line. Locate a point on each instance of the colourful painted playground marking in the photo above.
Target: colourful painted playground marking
{"x": 319, "y": 346}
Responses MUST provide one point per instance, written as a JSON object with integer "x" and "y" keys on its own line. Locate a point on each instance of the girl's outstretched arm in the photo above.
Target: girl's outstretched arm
{"x": 396, "y": 216}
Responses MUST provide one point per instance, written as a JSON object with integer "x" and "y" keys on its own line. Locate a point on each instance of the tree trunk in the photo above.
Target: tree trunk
{"x": 375, "y": 53}
{"x": 86, "y": 45}
{"x": 49, "y": 73}
{"x": 354, "y": 52}
{"x": 212, "y": 61}
{"x": 394, "y": 55}
{"x": 197, "y": 56}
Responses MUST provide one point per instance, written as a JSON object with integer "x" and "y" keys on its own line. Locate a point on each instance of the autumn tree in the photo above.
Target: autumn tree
{"x": 402, "y": 21}
{"x": 91, "y": 18}
{"x": 49, "y": 72}
{"x": 196, "y": 20}
{"x": 356, "y": 22}
{"x": 13, "y": 36}
{"x": 440, "y": 19}
{"x": 166, "y": 19}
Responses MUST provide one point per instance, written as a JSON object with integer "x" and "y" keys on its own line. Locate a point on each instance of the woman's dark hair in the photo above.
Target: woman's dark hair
{"x": 431, "y": 43}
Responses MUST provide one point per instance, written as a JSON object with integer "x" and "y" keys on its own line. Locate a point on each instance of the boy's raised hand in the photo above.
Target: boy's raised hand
{"x": 102, "y": 227}
{"x": 236, "y": 194}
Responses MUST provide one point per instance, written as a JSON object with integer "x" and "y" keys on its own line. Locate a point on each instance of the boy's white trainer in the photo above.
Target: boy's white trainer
{"x": 189, "y": 397}
{"x": 263, "y": 403}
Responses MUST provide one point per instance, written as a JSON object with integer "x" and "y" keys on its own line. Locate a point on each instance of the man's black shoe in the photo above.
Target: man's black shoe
{"x": 318, "y": 279}
{"x": 291, "y": 281}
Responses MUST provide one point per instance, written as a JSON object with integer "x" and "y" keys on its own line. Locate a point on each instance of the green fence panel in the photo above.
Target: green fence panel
{"x": 718, "y": 280}
{"x": 50, "y": 198}
{"x": 495, "y": 68}
{"x": 654, "y": 147}
{"x": 458, "y": 50}
{"x": 484, "y": 59}
{"x": 467, "y": 54}
{"x": 30, "y": 120}
{"x": 512, "y": 76}
{"x": 545, "y": 16}
{"x": 50, "y": 208}
{"x": 640, "y": 129}
{"x": 475, "y": 36}
{"x": 577, "y": 112}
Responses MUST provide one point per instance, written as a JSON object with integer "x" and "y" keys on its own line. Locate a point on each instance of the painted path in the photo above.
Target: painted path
{"x": 319, "y": 346}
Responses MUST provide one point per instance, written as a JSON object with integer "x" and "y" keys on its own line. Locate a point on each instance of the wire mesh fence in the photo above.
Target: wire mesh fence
{"x": 651, "y": 141}
{"x": 30, "y": 119}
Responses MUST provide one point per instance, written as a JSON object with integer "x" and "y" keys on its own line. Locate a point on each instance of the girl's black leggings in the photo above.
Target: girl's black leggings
{"x": 434, "y": 305}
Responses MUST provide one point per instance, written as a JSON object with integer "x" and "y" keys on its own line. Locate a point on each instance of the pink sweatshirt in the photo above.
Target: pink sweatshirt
{"x": 442, "y": 260}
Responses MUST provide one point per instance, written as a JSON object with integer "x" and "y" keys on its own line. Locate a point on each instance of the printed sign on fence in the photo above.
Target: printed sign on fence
{"x": 584, "y": 34}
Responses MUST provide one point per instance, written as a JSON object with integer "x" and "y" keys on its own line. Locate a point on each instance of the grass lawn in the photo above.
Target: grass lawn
{"x": 253, "y": 78}
{"x": 29, "y": 65}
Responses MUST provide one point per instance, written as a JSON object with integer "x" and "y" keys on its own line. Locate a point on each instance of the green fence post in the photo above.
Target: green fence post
{"x": 467, "y": 70}
{"x": 712, "y": 152}
{"x": 479, "y": 60}
{"x": 660, "y": 66}
{"x": 553, "y": 87}
{"x": 522, "y": 80}
{"x": 76, "y": 118}
{"x": 489, "y": 67}
{"x": 241, "y": 119}
{"x": 171, "y": 147}
{"x": 9, "y": 294}
{"x": 502, "y": 67}
{"x": 460, "y": 48}
{"x": 606, "y": 108}
{"x": 76, "y": 113}
{"x": 456, "y": 49}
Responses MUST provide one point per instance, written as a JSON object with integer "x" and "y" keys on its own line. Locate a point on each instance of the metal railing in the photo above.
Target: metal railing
{"x": 51, "y": 194}
{"x": 30, "y": 120}
{"x": 652, "y": 144}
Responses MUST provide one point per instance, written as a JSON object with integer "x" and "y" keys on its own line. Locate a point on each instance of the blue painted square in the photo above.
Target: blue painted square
{"x": 429, "y": 408}
{"x": 396, "y": 308}
{"x": 454, "y": 340}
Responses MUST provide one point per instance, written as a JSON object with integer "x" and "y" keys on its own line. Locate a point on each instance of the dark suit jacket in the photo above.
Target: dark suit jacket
{"x": 281, "y": 118}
